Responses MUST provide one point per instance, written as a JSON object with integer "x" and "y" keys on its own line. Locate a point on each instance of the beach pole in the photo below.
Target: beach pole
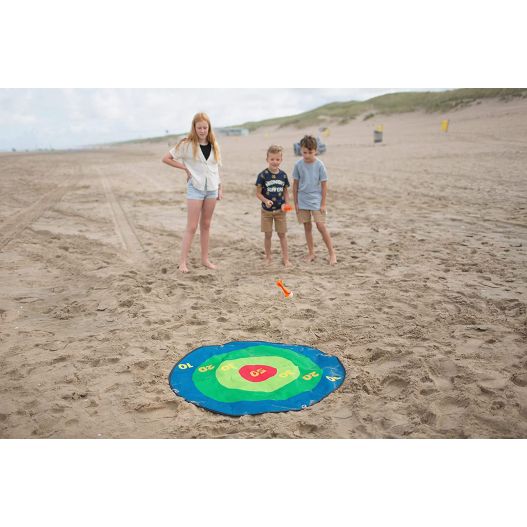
{"x": 377, "y": 134}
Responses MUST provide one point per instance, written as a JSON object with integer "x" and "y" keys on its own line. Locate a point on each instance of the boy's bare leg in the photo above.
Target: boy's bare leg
{"x": 204, "y": 231}
{"x": 193, "y": 213}
{"x": 283, "y": 245}
{"x": 267, "y": 246}
{"x": 308, "y": 229}
{"x": 329, "y": 244}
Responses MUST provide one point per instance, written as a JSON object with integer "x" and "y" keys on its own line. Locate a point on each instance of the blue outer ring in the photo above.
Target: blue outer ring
{"x": 181, "y": 382}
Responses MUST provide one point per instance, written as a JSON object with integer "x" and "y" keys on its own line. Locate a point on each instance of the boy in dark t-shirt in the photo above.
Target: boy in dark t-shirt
{"x": 271, "y": 190}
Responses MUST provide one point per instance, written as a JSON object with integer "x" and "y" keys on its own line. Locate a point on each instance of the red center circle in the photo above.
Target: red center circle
{"x": 257, "y": 372}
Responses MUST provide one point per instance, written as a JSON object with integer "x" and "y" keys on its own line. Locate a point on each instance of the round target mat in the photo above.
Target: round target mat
{"x": 241, "y": 378}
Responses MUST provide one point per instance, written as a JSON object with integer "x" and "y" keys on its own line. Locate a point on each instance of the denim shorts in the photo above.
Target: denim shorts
{"x": 194, "y": 193}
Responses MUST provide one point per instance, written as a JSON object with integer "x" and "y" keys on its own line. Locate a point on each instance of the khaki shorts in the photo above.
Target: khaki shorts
{"x": 304, "y": 216}
{"x": 279, "y": 218}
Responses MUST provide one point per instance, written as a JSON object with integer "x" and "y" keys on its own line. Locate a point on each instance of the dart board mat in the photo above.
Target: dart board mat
{"x": 241, "y": 378}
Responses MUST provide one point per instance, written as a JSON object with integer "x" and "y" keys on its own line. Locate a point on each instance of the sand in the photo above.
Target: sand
{"x": 426, "y": 307}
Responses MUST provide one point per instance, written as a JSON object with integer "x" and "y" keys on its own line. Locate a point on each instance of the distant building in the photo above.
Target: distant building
{"x": 234, "y": 131}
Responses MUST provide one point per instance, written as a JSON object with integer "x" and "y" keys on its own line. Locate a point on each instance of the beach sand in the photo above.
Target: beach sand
{"x": 426, "y": 308}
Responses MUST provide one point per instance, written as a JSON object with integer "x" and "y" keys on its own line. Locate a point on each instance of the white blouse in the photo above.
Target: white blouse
{"x": 205, "y": 172}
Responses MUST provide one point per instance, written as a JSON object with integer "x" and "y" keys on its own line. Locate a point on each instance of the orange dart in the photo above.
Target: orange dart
{"x": 286, "y": 207}
{"x": 286, "y": 291}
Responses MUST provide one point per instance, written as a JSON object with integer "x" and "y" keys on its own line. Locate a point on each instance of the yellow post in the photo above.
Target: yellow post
{"x": 444, "y": 125}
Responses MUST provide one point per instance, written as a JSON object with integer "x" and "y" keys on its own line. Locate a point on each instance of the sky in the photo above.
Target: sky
{"x": 68, "y": 118}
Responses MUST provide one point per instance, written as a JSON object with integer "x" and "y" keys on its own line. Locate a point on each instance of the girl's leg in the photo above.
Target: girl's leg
{"x": 267, "y": 246}
{"x": 204, "y": 230}
{"x": 283, "y": 245}
{"x": 308, "y": 229}
{"x": 327, "y": 240}
{"x": 193, "y": 212}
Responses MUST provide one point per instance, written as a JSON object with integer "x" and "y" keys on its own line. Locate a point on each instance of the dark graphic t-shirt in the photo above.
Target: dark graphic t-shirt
{"x": 273, "y": 187}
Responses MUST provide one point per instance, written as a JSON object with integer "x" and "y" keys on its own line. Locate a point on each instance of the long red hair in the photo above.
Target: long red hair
{"x": 193, "y": 136}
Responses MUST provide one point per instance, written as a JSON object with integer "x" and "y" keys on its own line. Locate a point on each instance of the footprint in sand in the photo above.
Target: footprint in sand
{"x": 520, "y": 379}
{"x": 62, "y": 358}
{"x": 497, "y": 405}
{"x": 307, "y": 428}
{"x": 394, "y": 385}
{"x": 142, "y": 364}
{"x": 428, "y": 418}
{"x": 428, "y": 391}
{"x": 377, "y": 354}
{"x": 161, "y": 335}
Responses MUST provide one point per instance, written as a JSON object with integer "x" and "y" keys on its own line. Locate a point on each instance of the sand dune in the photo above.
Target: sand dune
{"x": 426, "y": 308}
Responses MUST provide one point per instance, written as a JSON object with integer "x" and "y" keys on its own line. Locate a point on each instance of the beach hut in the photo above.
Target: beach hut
{"x": 235, "y": 131}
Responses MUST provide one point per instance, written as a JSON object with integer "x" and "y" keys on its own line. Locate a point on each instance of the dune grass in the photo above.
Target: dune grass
{"x": 343, "y": 112}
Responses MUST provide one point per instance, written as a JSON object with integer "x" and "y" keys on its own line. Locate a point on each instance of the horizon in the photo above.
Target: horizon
{"x": 64, "y": 119}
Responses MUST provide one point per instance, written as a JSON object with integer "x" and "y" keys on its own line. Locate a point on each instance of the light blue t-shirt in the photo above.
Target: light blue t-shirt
{"x": 309, "y": 176}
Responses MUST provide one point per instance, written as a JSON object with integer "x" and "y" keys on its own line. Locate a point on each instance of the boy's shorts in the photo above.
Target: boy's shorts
{"x": 279, "y": 218}
{"x": 304, "y": 216}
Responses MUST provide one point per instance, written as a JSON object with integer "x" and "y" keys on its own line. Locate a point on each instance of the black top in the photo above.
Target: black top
{"x": 206, "y": 150}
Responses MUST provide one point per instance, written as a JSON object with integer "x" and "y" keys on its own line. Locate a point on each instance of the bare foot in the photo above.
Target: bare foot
{"x": 268, "y": 260}
{"x": 209, "y": 265}
{"x": 332, "y": 259}
{"x": 183, "y": 268}
{"x": 309, "y": 258}
{"x": 287, "y": 263}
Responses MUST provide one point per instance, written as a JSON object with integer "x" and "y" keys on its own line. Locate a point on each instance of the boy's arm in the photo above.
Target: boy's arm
{"x": 295, "y": 193}
{"x": 262, "y": 198}
{"x": 324, "y": 185}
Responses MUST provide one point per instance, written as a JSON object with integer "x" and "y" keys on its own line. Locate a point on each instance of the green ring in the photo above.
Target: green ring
{"x": 207, "y": 382}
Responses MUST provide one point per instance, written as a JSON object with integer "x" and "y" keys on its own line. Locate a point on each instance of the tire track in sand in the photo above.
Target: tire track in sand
{"x": 130, "y": 242}
{"x": 18, "y": 222}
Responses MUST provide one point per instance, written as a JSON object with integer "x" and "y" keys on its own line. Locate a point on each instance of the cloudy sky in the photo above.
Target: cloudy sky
{"x": 66, "y": 118}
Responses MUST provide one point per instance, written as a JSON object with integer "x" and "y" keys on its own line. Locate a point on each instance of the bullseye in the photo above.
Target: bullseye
{"x": 257, "y": 373}
{"x": 241, "y": 378}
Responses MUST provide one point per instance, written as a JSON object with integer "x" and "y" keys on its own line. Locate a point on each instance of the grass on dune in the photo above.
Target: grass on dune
{"x": 343, "y": 112}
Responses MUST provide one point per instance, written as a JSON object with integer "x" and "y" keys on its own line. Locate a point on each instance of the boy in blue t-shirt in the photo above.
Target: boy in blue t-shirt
{"x": 271, "y": 190}
{"x": 309, "y": 193}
